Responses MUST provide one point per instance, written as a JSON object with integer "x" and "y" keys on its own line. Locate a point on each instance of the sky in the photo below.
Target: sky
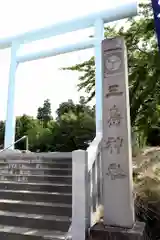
{"x": 42, "y": 79}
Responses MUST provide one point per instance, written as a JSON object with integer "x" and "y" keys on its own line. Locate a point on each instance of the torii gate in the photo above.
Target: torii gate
{"x": 96, "y": 19}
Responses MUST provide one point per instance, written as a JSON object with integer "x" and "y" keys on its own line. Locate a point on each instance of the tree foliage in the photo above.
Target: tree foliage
{"x": 44, "y": 113}
{"x": 143, "y": 68}
{"x": 73, "y": 128}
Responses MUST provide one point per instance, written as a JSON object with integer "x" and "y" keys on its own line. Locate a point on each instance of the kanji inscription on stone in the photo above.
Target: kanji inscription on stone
{"x": 115, "y": 171}
{"x": 113, "y": 90}
{"x": 114, "y": 144}
{"x": 114, "y": 116}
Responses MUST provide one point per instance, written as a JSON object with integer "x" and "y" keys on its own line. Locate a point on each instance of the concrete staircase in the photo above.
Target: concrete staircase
{"x": 35, "y": 196}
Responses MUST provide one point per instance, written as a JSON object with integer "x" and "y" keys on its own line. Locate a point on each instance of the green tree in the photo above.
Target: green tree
{"x": 44, "y": 113}
{"x": 64, "y": 108}
{"x": 73, "y": 129}
{"x": 75, "y": 126}
{"x": 2, "y": 130}
{"x": 70, "y": 107}
{"x": 74, "y": 132}
{"x": 40, "y": 139}
{"x": 23, "y": 125}
{"x": 143, "y": 66}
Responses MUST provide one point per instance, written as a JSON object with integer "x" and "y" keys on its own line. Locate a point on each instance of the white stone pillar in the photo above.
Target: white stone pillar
{"x": 116, "y": 150}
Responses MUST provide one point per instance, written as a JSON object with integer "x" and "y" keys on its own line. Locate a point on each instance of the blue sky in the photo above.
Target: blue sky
{"x": 38, "y": 80}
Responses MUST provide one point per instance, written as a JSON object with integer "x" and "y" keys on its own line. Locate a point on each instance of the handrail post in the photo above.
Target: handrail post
{"x": 80, "y": 218}
{"x": 27, "y": 144}
{"x": 20, "y": 139}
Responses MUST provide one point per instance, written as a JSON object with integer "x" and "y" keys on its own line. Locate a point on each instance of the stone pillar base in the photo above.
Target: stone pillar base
{"x": 102, "y": 232}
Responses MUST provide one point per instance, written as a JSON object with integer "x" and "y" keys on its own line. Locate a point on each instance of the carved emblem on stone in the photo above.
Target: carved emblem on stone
{"x": 113, "y": 63}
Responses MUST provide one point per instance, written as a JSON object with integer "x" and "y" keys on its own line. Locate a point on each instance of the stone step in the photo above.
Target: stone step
{"x": 49, "y": 222}
{"x": 36, "y": 171}
{"x": 44, "y": 187}
{"x": 36, "y": 196}
{"x": 58, "y": 209}
{"x": 33, "y": 164}
{"x": 35, "y": 156}
{"x": 19, "y": 233}
{"x": 37, "y": 178}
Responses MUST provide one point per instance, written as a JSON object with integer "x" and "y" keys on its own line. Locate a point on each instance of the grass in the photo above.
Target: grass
{"x": 146, "y": 175}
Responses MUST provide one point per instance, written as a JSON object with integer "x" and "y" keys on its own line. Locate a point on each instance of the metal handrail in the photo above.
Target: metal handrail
{"x": 20, "y": 139}
{"x": 93, "y": 150}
